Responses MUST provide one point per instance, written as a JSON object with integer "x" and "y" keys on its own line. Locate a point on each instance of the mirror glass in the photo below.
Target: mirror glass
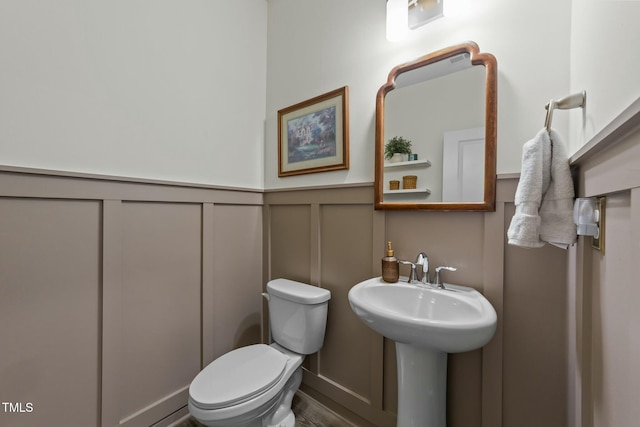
{"x": 444, "y": 104}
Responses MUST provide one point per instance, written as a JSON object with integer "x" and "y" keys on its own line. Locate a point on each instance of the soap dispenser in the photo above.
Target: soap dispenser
{"x": 390, "y": 266}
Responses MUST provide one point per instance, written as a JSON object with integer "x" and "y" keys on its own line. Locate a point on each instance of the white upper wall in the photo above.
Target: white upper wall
{"x": 161, "y": 89}
{"x": 318, "y": 46}
{"x": 180, "y": 90}
{"x": 605, "y": 61}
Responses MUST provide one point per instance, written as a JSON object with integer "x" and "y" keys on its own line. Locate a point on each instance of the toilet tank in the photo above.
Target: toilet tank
{"x": 297, "y": 315}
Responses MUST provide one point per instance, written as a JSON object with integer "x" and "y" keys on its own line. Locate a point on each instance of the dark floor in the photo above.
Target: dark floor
{"x": 308, "y": 412}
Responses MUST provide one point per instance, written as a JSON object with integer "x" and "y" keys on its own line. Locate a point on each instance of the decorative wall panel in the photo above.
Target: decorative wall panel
{"x": 289, "y": 235}
{"x": 604, "y": 342}
{"x": 161, "y": 287}
{"x": 109, "y": 259}
{"x": 355, "y": 373}
{"x": 237, "y": 261}
{"x": 345, "y": 259}
{"x": 531, "y": 293}
{"x": 114, "y": 293}
{"x": 49, "y": 312}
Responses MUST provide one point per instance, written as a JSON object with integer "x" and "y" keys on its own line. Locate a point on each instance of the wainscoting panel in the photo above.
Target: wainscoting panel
{"x": 50, "y": 291}
{"x": 237, "y": 261}
{"x": 289, "y": 236}
{"x": 535, "y": 288}
{"x": 122, "y": 289}
{"x": 325, "y": 237}
{"x": 345, "y": 259}
{"x": 355, "y": 373}
{"x": 114, "y": 293}
{"x": 604, "y": 337}
{"x": 161, "y": 293}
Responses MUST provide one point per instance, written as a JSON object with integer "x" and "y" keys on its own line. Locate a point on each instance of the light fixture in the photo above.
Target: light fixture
{"x": 424, "y": 11}
{"x": 403, "y": 15}
{"x": 397, "y": 19}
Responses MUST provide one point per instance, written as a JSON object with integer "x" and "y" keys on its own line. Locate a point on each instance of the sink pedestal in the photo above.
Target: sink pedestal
{"x": 422, "y": 386}
{"x": 426, "y": 323}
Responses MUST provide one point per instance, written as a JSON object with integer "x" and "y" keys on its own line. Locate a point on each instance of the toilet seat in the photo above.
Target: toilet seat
{"x": 238, "y": 376}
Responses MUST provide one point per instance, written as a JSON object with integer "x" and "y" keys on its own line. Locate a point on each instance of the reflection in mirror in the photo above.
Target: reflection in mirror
{"x": 444, "y": 103}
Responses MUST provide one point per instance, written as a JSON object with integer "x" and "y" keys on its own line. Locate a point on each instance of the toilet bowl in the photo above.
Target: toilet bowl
{"x": 254, "y": 386}
{"x": 246, "y": 387}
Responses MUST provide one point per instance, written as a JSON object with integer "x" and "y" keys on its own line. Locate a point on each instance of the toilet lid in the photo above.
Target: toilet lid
{"x": 237, "y": 376}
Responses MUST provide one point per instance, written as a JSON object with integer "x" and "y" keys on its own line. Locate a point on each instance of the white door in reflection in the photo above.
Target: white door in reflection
{"x": 463, "y": 166}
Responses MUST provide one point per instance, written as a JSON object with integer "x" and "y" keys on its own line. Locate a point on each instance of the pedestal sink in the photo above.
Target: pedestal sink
{"x": 426, "y": 323}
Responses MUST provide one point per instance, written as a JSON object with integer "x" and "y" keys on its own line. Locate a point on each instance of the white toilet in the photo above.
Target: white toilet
{"x": 253, "y": 386}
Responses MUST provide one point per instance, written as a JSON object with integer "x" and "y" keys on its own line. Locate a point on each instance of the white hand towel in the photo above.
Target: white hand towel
{"x": 524, "y": 230}
{"x": 556, "y": 210}
{"x": 544, "y": 197}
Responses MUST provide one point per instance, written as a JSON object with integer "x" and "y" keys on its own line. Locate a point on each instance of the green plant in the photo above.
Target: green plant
{"x": 397, "y": 144}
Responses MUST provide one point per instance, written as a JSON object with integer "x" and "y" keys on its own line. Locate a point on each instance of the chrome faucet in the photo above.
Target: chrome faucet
{"x": 423, "y": 260}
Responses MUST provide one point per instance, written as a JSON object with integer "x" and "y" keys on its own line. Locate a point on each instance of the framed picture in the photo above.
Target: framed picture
{"x": 313, "y": 136}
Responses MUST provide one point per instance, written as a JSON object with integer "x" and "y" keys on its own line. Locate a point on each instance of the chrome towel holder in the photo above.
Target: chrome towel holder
{"x": 576, "y": 100}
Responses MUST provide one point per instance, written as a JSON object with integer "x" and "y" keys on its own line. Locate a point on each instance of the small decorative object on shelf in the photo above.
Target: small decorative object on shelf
{"x": 394, "y": 184}
{"x": 397, "y": 145}
{"x": 409, "y": 182}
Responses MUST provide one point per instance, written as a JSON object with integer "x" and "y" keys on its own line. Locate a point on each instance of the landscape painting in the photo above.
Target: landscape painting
{"x": 313, "y": 135}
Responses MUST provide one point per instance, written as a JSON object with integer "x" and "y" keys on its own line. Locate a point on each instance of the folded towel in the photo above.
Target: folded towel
{"x": 544, "y": 197}
{"x": 556, "y": 211}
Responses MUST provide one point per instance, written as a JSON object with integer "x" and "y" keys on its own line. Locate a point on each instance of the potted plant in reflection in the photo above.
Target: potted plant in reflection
{"x": 397, "y": 149}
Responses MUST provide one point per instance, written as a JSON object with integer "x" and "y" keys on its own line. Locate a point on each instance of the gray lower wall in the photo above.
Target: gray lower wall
{"x": 334, "y": 238}
{"x": 604, "y": 340}
{"x": 114, "y": 294}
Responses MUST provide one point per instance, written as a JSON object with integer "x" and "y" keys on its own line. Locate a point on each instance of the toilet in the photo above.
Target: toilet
{"x": 253, "y": 386}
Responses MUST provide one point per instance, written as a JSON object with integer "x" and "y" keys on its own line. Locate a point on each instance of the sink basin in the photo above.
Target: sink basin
{"x": 426, "y": 323}
{"x": 452, "y": 320}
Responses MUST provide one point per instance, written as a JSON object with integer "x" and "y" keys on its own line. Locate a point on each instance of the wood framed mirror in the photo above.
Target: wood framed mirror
{"x": 445, "y": 104}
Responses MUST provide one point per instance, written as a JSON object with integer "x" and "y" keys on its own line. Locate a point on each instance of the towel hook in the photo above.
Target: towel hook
{"x": 577, "y": 100}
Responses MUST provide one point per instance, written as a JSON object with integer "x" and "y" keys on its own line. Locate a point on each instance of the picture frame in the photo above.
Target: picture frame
{"x": 313, "y": 136}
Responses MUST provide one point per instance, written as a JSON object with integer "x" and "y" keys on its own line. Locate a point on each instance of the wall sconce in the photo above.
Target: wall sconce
{"x": 403, "y": 15}
{"x": 397, "y": 20}
{"x": 424, "y": 11}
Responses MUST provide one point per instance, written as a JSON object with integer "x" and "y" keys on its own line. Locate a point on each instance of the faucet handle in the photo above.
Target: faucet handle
{"x": 437, "y": 282}
{"x": 412, "y": 275}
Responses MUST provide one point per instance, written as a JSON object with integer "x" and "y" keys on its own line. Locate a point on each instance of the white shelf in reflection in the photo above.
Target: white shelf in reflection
{"x": 424, "y": 162}
{"x": 414, "y": 190}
